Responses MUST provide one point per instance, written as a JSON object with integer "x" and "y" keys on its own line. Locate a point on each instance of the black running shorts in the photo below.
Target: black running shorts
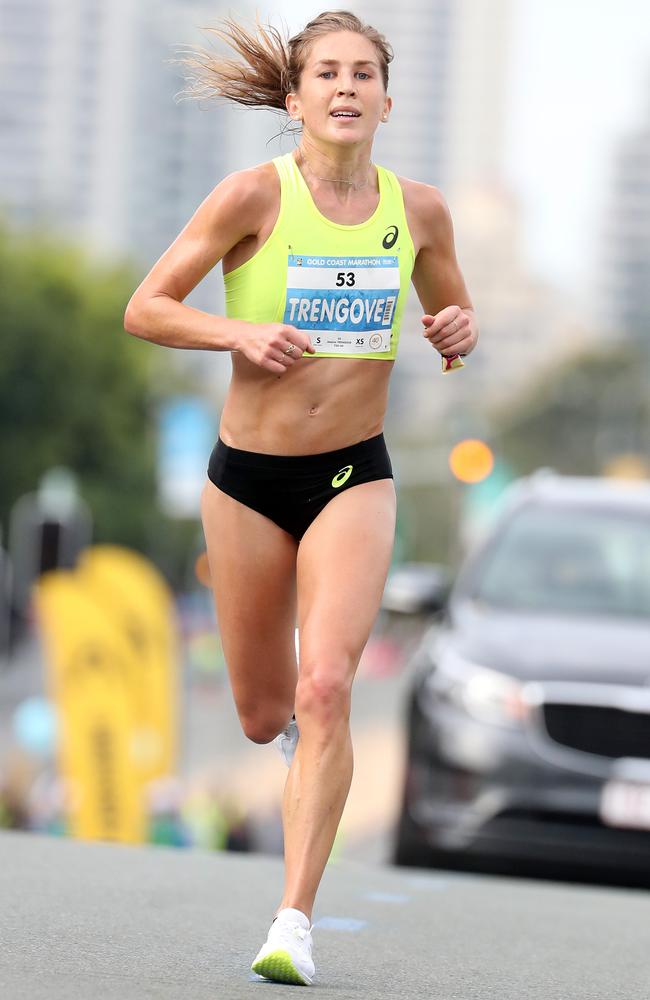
{"x": 292, "y": 489}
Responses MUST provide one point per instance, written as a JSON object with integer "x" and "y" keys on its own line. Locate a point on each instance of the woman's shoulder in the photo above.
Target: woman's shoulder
{"x": 422, "y": 198}
{"x": 250, "y": 191}
{"x": 426, "y": 210}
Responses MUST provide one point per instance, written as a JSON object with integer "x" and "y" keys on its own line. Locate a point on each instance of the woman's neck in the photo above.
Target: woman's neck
{"x": 344, "y": 170}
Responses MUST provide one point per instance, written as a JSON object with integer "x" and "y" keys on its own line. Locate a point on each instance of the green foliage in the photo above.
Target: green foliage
{"x": 431, "y": 514}
{"x": 586, "y": 413}
{"x": 75, "y": 388}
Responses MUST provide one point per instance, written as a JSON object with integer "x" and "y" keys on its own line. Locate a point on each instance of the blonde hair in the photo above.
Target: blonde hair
{"x": 270, "y": 65}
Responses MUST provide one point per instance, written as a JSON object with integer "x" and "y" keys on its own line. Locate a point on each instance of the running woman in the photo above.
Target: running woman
{"x": 318, "y": 249}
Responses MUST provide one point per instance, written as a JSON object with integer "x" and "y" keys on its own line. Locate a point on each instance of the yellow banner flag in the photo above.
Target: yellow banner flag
{"x": 132, "y": 591}
{"x": 90, "y": 666}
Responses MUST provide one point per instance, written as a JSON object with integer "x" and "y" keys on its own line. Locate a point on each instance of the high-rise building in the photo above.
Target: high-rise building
{"x": 92, "y": 139}
{"x": 624, "y": 292}
{"x": 29, "y": 57}
{"x": 448, "y": 82}
{"x": 414, "y": 140}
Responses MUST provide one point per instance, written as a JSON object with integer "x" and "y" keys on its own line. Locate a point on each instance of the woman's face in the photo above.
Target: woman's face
{"x": 342, "y": 70}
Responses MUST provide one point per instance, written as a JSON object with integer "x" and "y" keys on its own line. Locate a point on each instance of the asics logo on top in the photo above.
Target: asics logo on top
{"x": 390, "y": 239}
{"x": 342, "y": 476}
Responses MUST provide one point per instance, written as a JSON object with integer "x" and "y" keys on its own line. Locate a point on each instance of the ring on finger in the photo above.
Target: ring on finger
{"x": 290, "y": 349}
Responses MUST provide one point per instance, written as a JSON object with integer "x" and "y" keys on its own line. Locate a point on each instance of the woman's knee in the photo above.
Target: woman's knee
{"x": 261, "y": 725}
{"x": 324, "y": 690}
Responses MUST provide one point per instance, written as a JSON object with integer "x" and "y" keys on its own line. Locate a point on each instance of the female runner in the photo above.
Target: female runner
{"x": 318, "y": 249}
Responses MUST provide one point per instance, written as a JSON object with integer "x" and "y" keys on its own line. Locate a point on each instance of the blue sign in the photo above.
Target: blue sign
{"x": 187, "y": 431}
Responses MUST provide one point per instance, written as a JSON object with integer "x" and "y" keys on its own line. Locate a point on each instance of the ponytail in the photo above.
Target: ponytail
{"x": 259, "y": 79}
{"x": 270, "y": 65}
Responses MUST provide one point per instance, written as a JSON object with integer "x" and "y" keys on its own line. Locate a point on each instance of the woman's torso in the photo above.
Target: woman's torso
{"x": 319, "y": 403}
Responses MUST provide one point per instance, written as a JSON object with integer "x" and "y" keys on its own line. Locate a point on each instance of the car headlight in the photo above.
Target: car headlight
{"x": 485, "y": 694}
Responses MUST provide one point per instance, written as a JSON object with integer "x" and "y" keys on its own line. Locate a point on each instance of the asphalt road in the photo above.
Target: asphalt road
{"x": 109, "y": 922}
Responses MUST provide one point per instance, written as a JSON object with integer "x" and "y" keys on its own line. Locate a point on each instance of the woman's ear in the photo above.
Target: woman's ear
{"x": 293, "y": 107}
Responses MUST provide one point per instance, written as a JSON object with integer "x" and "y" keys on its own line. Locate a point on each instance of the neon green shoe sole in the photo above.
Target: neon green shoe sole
{"x": 277, "y": 965}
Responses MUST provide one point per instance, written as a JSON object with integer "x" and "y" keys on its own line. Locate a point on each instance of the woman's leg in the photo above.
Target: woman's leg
{"x": 253, "y": 574}
{"x": 343, "y": 561}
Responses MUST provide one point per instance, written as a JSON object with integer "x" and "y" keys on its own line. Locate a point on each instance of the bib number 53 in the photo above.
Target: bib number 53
{"x": 343, "y": 278}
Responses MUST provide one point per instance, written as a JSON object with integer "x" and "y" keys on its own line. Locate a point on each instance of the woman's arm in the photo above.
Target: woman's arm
{"x": 234, "y": 210}
{"x": 449, "y": 320}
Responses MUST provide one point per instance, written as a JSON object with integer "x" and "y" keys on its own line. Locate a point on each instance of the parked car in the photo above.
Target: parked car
{"x": 528, "y": 721}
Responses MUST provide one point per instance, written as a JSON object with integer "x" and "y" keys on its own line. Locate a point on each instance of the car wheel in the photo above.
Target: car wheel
{"x": 410, "y": 849}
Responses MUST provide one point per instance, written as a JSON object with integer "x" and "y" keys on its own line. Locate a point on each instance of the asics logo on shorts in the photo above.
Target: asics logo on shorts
{"x": 342, "y": 476}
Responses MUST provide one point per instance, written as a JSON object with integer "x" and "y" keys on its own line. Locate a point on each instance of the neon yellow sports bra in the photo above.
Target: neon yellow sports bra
{"x": 345, "y": 286}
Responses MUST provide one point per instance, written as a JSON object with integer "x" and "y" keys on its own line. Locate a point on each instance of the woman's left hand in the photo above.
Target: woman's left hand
{"x": 451, "y": 331}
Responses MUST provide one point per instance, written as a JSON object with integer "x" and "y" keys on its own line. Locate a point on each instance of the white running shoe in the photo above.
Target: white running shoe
{"x": 287, "y": 741}
{"x": 285, "y": 957}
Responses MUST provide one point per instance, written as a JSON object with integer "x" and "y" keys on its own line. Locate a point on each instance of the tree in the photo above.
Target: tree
{"x": 75, "y": 388}
{"x": 585, "y": 414}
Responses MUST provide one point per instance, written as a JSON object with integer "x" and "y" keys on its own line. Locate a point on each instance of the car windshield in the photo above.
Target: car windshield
{"x": 569, "y": 559}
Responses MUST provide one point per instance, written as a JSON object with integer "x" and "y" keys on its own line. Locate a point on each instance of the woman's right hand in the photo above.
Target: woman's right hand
{"x": 265, "y": 344}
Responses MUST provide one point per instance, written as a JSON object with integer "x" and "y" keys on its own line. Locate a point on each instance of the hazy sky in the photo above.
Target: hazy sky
{"x": 579, "y": 76}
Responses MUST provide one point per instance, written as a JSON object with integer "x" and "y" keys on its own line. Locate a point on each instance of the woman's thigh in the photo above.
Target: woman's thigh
{"x": 343, "y": 561}
{"x": 253, "y": 574}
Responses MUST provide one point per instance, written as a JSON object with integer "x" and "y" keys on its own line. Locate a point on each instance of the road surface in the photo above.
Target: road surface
{"x": 100, "y": 921}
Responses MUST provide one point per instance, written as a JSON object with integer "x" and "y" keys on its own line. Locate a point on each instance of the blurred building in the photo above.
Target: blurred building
{"x": 92, "y": 140}
{"x": 448, "y": 81}
{"x": 625, "y": 279}
{"x": 96, "y": 145}
{"x": 528, "y": 327}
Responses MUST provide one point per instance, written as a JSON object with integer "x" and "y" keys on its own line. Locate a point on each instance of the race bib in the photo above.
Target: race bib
{"x": 346, "y": 304}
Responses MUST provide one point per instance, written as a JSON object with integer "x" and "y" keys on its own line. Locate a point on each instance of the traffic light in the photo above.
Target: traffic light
{"x": 47, "y": 530}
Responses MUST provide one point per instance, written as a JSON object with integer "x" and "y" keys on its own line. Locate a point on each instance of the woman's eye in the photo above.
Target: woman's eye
{"x": 329, "y": 72}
